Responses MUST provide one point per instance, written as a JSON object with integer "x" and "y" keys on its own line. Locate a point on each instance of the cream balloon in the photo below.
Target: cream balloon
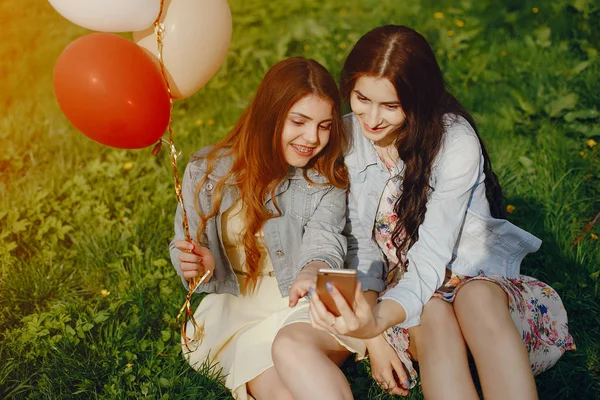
{"x": 109, "y": 15}
{"x": 195, "y": 43}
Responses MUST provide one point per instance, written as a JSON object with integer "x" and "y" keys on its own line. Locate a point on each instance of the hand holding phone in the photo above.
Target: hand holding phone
{"x": 343, "y": 279}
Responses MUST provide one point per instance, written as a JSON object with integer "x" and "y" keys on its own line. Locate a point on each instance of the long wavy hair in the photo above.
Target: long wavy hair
{"x": 403, "y": 56}
{"x": 256, "y": 149}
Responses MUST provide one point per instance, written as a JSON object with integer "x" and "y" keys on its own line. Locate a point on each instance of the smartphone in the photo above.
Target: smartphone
{"x": 343, "y": 279}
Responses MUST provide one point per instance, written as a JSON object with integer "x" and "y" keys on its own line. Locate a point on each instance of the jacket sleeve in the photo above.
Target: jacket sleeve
{"x": 188, "y": 186}
{"x": 456, "y": 173}
{"x": 363, "y": 253}
{"x": 322, "y": 239}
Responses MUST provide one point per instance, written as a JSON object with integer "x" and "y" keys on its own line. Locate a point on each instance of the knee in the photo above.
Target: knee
{"x": 437, "y": 332}
{"x": 286, "y": 343}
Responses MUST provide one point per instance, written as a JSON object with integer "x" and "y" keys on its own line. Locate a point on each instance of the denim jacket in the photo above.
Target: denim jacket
{"x": 458, "y": 231}
{"x": 310, "y": 227}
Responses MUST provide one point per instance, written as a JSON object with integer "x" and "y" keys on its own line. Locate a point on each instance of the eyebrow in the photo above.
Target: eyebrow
{"x": 384, "y": 102}
{"x": 309, "y": 118}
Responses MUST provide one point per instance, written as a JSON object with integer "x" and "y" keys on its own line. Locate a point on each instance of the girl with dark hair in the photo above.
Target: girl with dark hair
{"x": 425, "y": 231}
{"x": 268, "y": 204}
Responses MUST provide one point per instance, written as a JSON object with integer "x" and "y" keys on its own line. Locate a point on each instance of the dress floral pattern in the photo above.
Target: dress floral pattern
{"x": 535, "y": 308}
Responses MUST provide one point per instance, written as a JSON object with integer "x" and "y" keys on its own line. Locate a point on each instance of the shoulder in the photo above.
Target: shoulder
{"x": 198, "y": 164}
{"x": 460, "y": 139}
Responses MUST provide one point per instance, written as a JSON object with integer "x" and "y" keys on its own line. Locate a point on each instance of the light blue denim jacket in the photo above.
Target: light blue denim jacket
{"x": 310, "y": 227}
{"x": 458, "y": 232}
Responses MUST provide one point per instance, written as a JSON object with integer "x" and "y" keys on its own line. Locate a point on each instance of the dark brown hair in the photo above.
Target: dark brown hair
{"x": 403, "y": 56}
{"x": 255, "y": 145}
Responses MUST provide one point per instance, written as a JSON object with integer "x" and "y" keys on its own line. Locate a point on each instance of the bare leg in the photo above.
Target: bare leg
{"x": 501, "y": 358}
{"x": 307, "y": 361}
{"x": 440, "y": 349}
{"x": 269, "y": 386}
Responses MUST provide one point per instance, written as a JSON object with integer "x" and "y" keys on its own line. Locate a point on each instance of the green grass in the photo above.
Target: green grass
{"x": 75, "y": 222}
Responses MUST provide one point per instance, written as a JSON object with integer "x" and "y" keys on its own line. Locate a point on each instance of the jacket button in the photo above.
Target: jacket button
{"x": 209, "y": 186}
{"x": 269, "y": 212}
{"x": 280, "y": 253}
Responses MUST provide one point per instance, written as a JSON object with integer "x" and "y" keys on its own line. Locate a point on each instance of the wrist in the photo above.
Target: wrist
{"x": 374, "y": 341}
{"x": 313, "y": 267}
{"x": 388, "y": 313}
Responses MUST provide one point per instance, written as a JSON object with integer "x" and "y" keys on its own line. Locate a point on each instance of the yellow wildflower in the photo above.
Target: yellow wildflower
{"x": 127, "y": 166}
{"x": 582, "y": 154}
{"x": 438, "y": 15}
{"x": 306, "y": 47}
{"x": 591, "y": 143}
{"x": 594, "y": 236}
{"x": 199, "y": 122}
{"x": 510, "y": 208}
{"x": 459, "y": 23}
{"x": 210, "y": 121}
{"x": 342, "y": 45}
{"x": 450, "y": 32}
{"x": 129, "y": 365}
{"x": 104, "y": 293}
{"x": 535, "y": 10}
{"x": 503, "y": 53}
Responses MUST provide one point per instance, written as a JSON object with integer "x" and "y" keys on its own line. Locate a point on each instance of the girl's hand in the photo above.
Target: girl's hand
{"x": 195, "y": 260}
{"x": 360, "y": 323}
{"x": 306, "y": 279}
{"x": 386, "y": 367}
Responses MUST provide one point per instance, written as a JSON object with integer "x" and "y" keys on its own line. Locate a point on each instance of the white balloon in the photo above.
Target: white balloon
{"x": 109, "y": 15}
{"x": 196, "y": 40}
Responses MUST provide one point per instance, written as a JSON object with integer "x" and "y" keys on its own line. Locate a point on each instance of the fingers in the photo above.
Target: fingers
{"x": 300, "y": 288}
{"x": 350, "y": 319}
{"x": 321, "y": 316}
{"x": 189, "y": 258}
{"x": 195, "y": 260}
{"x": 387, "y": 379}
{"x": 313, "y": 321}
{"x": 191, "y": 265}
{"x": 402, "y": 376}
{"x": 192, "y": 247}
{"x": 184, "y": 245}
{"x": 202, "y": 251}
{"x": 388, "y": 382}
{"x": 294, "y": 296}
{"x": 362, "y": 305}
{"x": 401, "y": 379}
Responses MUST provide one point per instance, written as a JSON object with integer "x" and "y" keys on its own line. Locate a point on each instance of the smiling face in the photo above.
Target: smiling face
{"x": 375, "y": 103}
{"x": 306, "y": 130}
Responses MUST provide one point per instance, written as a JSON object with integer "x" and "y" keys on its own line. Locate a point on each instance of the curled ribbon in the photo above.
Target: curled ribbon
{"x": 185, "y": 311}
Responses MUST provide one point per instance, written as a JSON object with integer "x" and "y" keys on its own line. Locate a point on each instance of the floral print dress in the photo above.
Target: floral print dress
{"x": 535, "y": 308}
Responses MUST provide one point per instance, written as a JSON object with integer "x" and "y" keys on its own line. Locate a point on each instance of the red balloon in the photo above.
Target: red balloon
{"x": 112, "y": 91}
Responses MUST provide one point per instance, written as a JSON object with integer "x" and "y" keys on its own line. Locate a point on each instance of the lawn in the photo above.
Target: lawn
{"x": 88, "y": 297}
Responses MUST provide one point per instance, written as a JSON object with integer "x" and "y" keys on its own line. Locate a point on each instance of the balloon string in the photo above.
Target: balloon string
{"x": 186, "y": 311}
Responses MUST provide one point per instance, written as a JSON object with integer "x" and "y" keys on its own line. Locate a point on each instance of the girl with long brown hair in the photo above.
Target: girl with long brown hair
{"x": 267, "y": 204}
{"x": 426, "y": 230}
